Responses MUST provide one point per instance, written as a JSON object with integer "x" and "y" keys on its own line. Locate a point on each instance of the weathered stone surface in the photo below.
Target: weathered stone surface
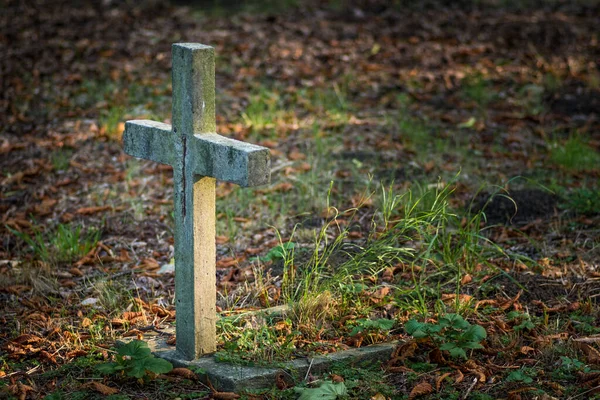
{"x": 198, "y": 156}
{"x": 222, "y": 158}
{"x": 231, "y": 377}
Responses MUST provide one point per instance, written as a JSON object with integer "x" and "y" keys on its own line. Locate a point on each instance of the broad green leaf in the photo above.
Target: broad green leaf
{"x": 137, "y": 369}
{"x": 412, "y": 326}
{"x": 278, "y": 252}
{"x": 136, "y": 349}
{"x": 458, "y": 352}
{"x": 471, "y": 345}
{"x": 448, "y": 346}
{"x": 158, "y": 365}
{"x": 327, "y": 391}
{"x": 456, "y": 321}
{"x": 527, "y": 324}
{"x": 108, "y": 368}
{"x": 384, "y": 324}
{"x": 475, "y": 333}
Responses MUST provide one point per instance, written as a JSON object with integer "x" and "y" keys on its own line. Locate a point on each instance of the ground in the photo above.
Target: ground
{"x": 435, "y": 182}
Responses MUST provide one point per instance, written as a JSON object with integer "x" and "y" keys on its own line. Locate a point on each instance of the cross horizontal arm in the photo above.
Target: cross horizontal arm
{"x": 230, "y": 160}
{"x": 149, "y": 140}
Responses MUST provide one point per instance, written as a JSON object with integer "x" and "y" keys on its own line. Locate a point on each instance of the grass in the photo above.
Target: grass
{"x": 328, "y": 288}
{"x": 478, "y": 89}
{"x": 64, "y": 244}
{"x": 575, "y": 154}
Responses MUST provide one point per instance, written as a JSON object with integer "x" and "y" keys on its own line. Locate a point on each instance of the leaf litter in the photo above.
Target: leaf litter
{"x": 503, "y": 84}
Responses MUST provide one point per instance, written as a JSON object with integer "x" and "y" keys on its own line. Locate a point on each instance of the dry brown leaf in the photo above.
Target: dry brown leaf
{"x": 27, "y": 339}
{"x": 100, "y": 388}
{"x": 280, "y": 381}
{"x": 336, "y": 378}
{"x": 91, "y": 210}
{"x": 133, "y": 332}
{"x": 438, "y": 382}
{"x": 184, "y": 373}
{"x": 76, "y": 353}
{"x": 486, "y": 303}
{"x": 449, "y": 298}
{"x": 510, "y": 302}
{"x": 48, "y": 357}
{"x": 421, "y": 389}
{"x": 591, "y": 353}
{"x": 405, "y": 350}
{"x": 86, "y": 322}
{"x": 466, "y": 279}
{"x": 131, "y": 315}
{"x": 459, "y": 377}
{"x": 526, "y": 349}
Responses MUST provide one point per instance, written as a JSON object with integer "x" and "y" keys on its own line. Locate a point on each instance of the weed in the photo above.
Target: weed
{"x": 478, "y": 89}
{"x": 61, "y": 158}
{"x": 256, "y": 339}
{"x": 112, "y": 122}
{"x": 575, "y": 154}
{"x": 520, "y": 320}
{"x": 372, "y": 330}
{"x": 112, "y": 296}
{"x": 523, "y": 375}
{"x": 584, "y": 201}
{"x": 326, "y": 390}
{"x": 135, "y": 360}
{"x": 65, "y": 244}
{"x": 451, "y": 333}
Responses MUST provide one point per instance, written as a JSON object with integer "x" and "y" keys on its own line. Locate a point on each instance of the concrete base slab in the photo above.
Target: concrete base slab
{"x": 230, "y": 377}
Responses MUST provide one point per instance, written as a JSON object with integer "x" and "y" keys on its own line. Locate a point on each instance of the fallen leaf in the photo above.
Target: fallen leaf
{"x": 421, "y": 389}
{"x": 91, "y": 210}
{"x": 438, "y": 382}
{"x": 184, "y": 373}
{"x": 100, "y": 388}
{"x": 591, "y": 353}
{"x": 379, "y": 396}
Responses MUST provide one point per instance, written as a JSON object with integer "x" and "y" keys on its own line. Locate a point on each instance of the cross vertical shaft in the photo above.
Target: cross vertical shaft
{"x": 194, "y": 113}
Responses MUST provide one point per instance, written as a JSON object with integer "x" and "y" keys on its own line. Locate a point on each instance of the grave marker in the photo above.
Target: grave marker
{"x": 198, "y": 156}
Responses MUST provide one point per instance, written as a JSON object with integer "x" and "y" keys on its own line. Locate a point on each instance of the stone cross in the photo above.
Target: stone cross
{"x": 198, "y": 156}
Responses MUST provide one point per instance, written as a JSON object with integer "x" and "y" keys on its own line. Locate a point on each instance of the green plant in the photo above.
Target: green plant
{"x": 575, "y": 154}
{"x": 135, "y": 360}
{"x": 523, "y": 375}
{"x": 478, "y": 89}
{"x": 584, "y": 201}
{"x": 279, "y": 252}
{"x": 367, "y": 326}
{"x": 326, "y": 391}
{"x": 522, "y": 321}
{"x": 451, "y": 333}
{"x": 265, "y": 342}
{"x": 61, "y": 158}
{"x": 111, "y": 120}
{"x": 64, "y": 244}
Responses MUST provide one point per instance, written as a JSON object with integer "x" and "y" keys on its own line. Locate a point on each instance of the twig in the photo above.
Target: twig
{"x": 29, "y": 372}
{"x": 308, "y": 370}
{"x": 586, "y": 392}
{"x": 470, "y": 388}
